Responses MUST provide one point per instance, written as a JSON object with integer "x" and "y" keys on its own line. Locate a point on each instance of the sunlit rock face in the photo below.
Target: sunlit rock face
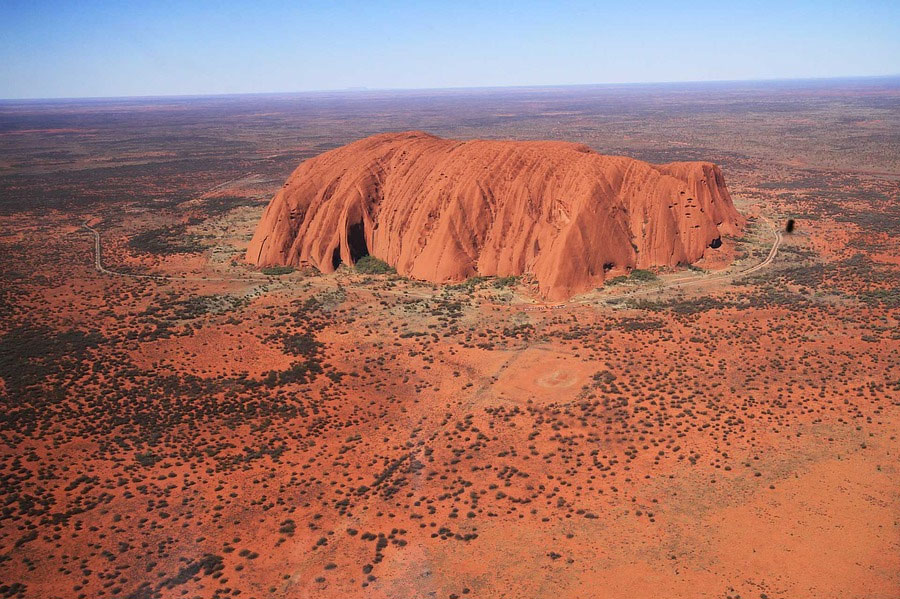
{"x": 444, "y": 210}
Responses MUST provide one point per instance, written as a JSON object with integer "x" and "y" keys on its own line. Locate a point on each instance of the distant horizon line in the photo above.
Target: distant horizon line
{"x": 363, "y": 89}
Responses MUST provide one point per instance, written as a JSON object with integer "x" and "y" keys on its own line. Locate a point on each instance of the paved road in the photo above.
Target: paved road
{"x": 679, "y": 282}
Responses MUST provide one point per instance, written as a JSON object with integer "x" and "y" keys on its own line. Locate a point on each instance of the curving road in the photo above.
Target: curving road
{"x": 679, "y": 282}
{"x": 687, "y": 281}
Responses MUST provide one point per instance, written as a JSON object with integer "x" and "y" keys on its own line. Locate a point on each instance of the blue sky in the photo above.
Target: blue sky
{"x": 96, "y": 48}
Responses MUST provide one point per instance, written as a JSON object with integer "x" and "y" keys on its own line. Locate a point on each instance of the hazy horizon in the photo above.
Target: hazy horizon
{"x": 98, "y": 49}
{"x": 563, "y": 86}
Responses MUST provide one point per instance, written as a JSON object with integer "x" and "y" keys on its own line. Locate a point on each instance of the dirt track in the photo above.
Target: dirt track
{"x": 680, "y": 282}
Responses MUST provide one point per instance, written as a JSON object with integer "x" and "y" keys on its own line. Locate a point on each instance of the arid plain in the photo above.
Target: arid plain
{"x": 178, "y": 423}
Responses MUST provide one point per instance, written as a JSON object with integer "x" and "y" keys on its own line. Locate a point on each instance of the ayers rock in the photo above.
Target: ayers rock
{"x": 444, "y": 210}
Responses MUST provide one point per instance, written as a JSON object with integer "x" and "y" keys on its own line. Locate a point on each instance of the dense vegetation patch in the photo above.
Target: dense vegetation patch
{"x": 370, "y": 265}
{"x": 275, "y": 271}
{"x": 637, "y": 275}
{"x": 33, "y": 357}
{"x": 167, "y": 240}
{"x": 220, "y": 205}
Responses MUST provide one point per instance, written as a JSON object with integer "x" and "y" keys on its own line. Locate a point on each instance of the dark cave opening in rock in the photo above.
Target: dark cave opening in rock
{"x": 356, "y": 242}
{"x": 356, "y": 239}
{"x": 716, "y": 243}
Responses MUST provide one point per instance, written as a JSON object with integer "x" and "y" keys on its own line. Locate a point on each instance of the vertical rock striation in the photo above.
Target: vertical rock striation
{"x": 444, "y": 210}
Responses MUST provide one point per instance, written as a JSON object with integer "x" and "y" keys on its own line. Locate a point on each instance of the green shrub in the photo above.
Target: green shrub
{"x": 636, "y": 276}
{"x": 505, "y": 281}
{"x": 468, "y": 285}
{"x": 288, "y": 527}
{"x": 277, "y": 270}
{"x": 146, "y": 459}
{"x": 643, "y": 275}
{"x": 370, "y": 265}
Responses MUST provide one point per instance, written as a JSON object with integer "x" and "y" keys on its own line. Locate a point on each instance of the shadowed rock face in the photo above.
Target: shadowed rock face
{"x": 443, "y": 210}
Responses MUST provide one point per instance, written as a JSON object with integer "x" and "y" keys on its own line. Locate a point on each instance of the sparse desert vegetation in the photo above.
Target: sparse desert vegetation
{"x": 234, "y": 431}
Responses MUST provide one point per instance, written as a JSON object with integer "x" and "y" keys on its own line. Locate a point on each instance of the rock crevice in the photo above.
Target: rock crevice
{"x": 443, "y": 210}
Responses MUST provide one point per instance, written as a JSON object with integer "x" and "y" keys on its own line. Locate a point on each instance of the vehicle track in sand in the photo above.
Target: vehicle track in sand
{"x": 679, "y": 282}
